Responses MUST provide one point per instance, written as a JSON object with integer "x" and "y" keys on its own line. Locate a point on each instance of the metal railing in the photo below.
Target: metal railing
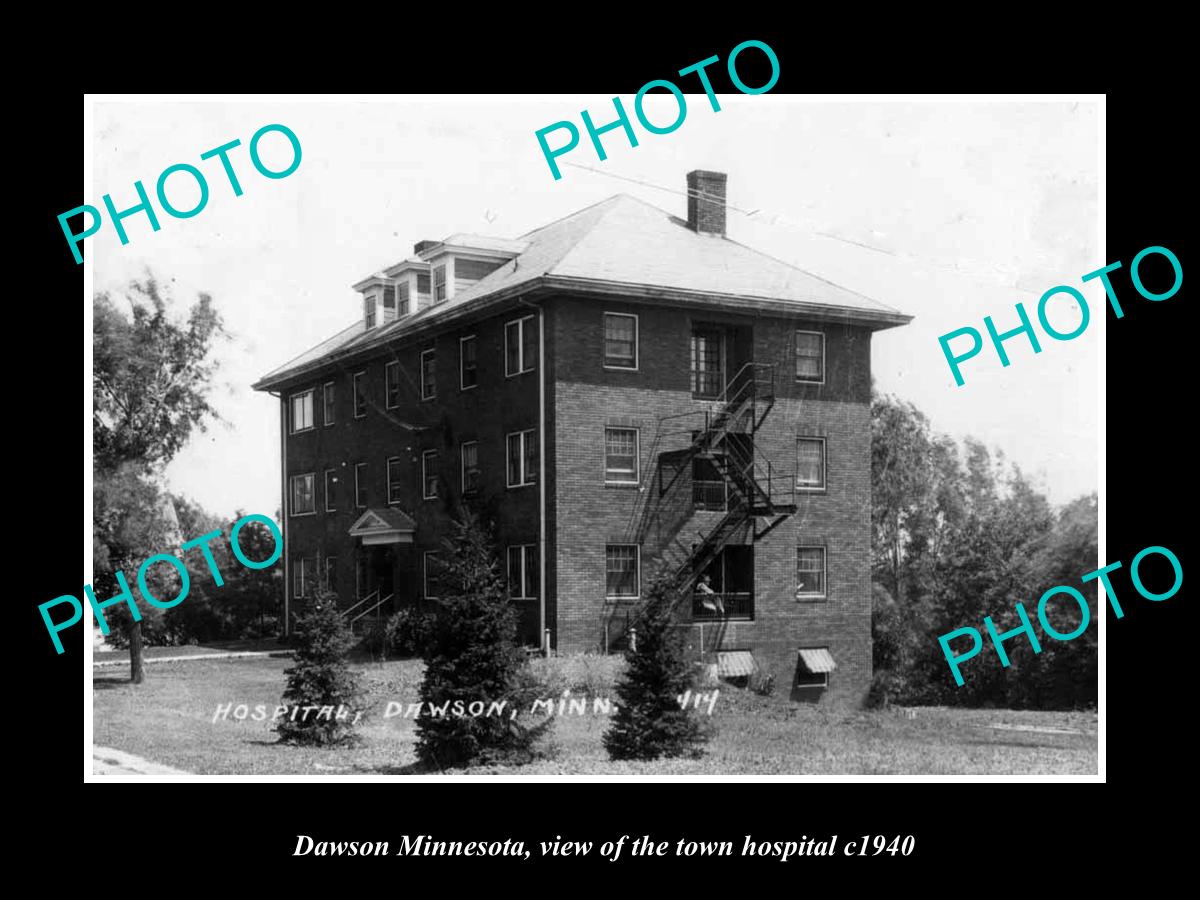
{"x": 709, "y": 495}
{"x": 369, "y": 610}
{"x": 366, "y": 599}
{"x": 724, "y": 605}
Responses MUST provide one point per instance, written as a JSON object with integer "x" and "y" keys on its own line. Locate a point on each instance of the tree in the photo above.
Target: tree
{"x": 650, "y": 722}
{"x": 471, "y": 657}
{"x": 150, "y": 383}
{"x": 323, "y": 692}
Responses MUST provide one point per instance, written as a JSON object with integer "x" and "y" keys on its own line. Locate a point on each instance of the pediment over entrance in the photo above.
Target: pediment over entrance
{"x": 384, "y": 526}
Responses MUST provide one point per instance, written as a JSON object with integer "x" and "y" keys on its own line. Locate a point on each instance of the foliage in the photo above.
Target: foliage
{"x": 958, "y": 535}
{"x": 471, "y": 655}
{"x": 150, "y": 381}
{"x": 150, "y": 375}
{"x": 649, "y": 722}
{"x": 408, "y": 631}
{"x": 321, "y": 676}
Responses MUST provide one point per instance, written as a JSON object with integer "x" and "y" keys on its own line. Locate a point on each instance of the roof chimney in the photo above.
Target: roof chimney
{"x": 706, "y": 201}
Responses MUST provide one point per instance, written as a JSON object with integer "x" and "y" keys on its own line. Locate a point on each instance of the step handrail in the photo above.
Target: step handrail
{"x": 367, "y": 612}
{"x": 365, "y": 599}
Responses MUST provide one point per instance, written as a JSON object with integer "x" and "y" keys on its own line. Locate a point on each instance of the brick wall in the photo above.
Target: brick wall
{"x": 588, "y": 397}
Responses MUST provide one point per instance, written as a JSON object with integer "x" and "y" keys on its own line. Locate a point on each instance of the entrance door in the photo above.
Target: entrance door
{"x": 708, "y": 362}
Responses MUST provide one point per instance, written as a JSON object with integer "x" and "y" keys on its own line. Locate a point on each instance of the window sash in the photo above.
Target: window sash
{"x": 439, "y": 283}
{"x": 392, "y": 381}
{"x": 331, "y": 573}
{"x": 360, "y": 394}
{"x": 621, "y": 454}
{"x": 303, "y": 494}
{"x": 468, "y": 369}
{"x": 621, "y": 571}
{"x": 620, "y": 340}
{"x": 810, "y": 572}
{"x": 302, "y": 411}
{"x": 428, "y": 385}
{"x": 430, "y": 575}
{"x": 331, "y": 490}
{"x": 329, "y": 398}
{"x": 394, "y": 483}
{"x": 360, "y": 485}
{"x": 429, "y": 479}
{"x": 528, "y": 344}
{"x": 470, "y": 466}
{"x": 810, "y": 356}
{"x": 810, "y": 463}
{"x": 522, "y": 452}
{"x": 523, "y": 572}
{"x": 402, "y": 299}
{"x": 370, "y": 312}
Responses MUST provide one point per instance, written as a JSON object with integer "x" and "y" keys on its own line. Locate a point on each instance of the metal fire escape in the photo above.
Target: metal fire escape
{"x": 758, "y": 497}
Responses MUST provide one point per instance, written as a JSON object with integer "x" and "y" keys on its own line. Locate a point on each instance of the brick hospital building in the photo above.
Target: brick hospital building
{"x": 616, "y": 391}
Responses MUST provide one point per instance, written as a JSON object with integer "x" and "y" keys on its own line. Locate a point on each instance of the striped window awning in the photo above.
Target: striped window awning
{"x": 735, "y": 664}
{"x": 817, "y": 660}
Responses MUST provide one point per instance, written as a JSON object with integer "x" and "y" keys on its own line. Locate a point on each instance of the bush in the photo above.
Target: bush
{"x": 408, "y": 632}
{"x": 321, "y": 677}
{"x": 471, "y": 656}
{"x": 649, "y": 722}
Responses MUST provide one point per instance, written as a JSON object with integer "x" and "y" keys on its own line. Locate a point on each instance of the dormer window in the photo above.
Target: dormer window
{"x": 402, "y": 299}
{"x": 369, "y": 311}
{"x": 389, "y": 304}
{"x": 439, "y": 283}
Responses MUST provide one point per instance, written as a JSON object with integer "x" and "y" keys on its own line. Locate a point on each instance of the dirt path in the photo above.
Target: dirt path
{"x": 106, "y": 761}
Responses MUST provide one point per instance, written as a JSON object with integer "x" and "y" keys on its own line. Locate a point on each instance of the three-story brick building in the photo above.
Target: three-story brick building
{"x": 617, "y": 391}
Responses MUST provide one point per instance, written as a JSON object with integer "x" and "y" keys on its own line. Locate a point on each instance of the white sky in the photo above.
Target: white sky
{"x": 970, "y": 206}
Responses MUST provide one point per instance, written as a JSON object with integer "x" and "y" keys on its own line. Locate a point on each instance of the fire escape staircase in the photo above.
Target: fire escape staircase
{"x": 757, "y": 496}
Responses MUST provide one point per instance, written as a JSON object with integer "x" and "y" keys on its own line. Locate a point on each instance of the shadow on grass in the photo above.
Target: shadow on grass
{"x": 108, "y": 683}
{"x": 410, "y": 769}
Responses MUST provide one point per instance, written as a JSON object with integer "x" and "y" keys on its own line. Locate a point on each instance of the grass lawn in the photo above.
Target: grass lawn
{"x": 169, "y": 719}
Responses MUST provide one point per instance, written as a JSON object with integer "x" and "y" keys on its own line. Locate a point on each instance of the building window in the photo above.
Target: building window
{"x": 331, "y": 574}
{"x": 428, "y": 385}
{"x": 360, "y": 485}
{"x": 360, "y": 575}
{"x": 470, "y": 466}
{"x": 329, "y": 395}
{"x": 810, "y": 464}
{"x": 423, "y": 283}
{"x": 810, "y": 573}
{"x": 331, "y": 482}
{"x": 429, "y": 475}
{"x": 523, "y": 572}
{"x": 393, "y": 479}
{"x": 304, "y": 500}
{"x": 439, "y": 283}
{"x": 302, "y": 411}
{"x": 621, "y": 571}
{"x": 621, "y": 455}
{"x": 303, "y": 576}
{"x": 402, "y": 299}
{"x": 813, "y": 667}
{"x": 522, "y": 458}
{"x": 431, "y": 570}
{"x": 520, "y": 346}
{"x": 468, "y": 374}
{"x": 360, "y": 394}
{"x": 391, "y": 378}
{"x": 620, "y": 341}
{"x": 810, "y": 356}
{"x": 369, "y": 311}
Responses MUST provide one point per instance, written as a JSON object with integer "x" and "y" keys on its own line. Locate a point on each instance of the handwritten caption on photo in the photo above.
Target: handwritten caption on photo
{"x": 564, "y": 705}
